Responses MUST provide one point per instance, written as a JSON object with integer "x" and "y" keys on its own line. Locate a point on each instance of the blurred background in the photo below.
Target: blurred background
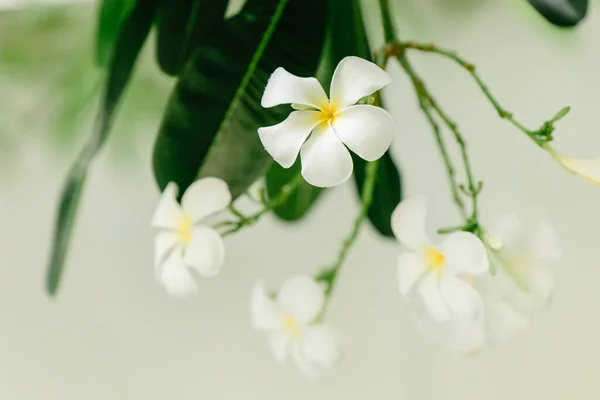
{"x": 113, "y": 333}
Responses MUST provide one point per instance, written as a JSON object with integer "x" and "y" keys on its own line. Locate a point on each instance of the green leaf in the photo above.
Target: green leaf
{"x": 300, "y": 201}
{"x": 131, "y": 38}
{"x": 564, "y": 13}
{"x": 111, "y": 15}
{"x": 210, "y": 126}
{"x": 182, "y": 25}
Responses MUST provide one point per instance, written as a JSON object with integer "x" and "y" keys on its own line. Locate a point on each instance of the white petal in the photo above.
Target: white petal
{"x": 366, "y": 130}
{"x": 325, "y": 160}
{"x": 286, "y": 88}
{"x": 168, "y": 213}
{"x": 588, "y": 168}
{"x": 175, "y": 276}
{"x": 408, "y": 223}
{"x": 542, "y": 286}
{"x": 355, "y": 78}
{"x": 411, "y": 267}
{"x": 283, "y": 141}
{"x": 164, "y": 242}
{"x": 205, "y": 197}
{"x": 205, "y": 252}
{"x": 462, "y": 300}
{"x": 302, "y": 298}
{"x": 429, "y": 290}
{"x": 504, "y": 321}
{"x": 279, "y": 343}
{"x": 464, "y": 253}
{"x": 508, "y": 234}
{"x": 264, "y": 314}
{"x": 545, "y": 244}
{"x": 318, "y": 352}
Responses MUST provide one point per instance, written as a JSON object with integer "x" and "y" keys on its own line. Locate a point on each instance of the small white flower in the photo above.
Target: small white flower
{"x": 289, "y": 322}
{"x": 434, "y": 272}
{"x": 522, "y": 287}
{"x": 321, "y": 128}
{"x": 183, "y": 242}
{"x": 588, "y": 168}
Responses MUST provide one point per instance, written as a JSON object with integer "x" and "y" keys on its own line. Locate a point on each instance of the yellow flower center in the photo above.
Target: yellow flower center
{"x": 185, "y": 230}
{"x": 291, "y": 326}
{"x": 328, "y": 113}
{"x": 434, "y": 259}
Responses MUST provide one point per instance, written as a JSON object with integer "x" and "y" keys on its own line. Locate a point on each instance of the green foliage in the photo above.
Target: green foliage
{"x": 131, "y": 38}
{"x": 111, "y": 15}
{"x": 300, "y": 201}
{"x": 565, "y": 13}
{"x": 210, "y": 126}
{"x": 181, "y": 27}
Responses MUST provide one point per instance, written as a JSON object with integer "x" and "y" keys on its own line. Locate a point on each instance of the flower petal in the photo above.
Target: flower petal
{"x": 168, "y": 213}
{"x": 355, "y": 78}
{"x": 545, "y": 244}
{"x": 318, "y": 352}
{"x": 175, "y": 276}
{"x": 205, "y": 197}
{"x": 325, "y": 160}
{"x": 279, "y": 343}
{"x": 302, "y": 298}
{"x": 205, "y": 251}
{"x": 504, "y": 321}
{"x": 507, "y": 234}
{"x": 366, "y": 130}
{"x": 164, "y": 242}
{"x": 408, "y": 223}
{"x": 283, "y": 141}
{"x": 462, "y": 300}
{"x": 411, "y": 267}
{"x": 464, "y": 253}
{"x": 286, "y": 88}
{"x": 264, "y": 314}
{"x": 588, "y": 168}
{"x": 429, "y": 290}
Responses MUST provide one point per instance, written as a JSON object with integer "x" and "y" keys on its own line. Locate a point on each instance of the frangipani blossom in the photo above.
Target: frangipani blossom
{"x": 588, "y": 168}
{"x": 184, "y": 243}
{"x": 522, "y": 287}
{"x": 434, "y": 272}
{"x": 322, "y": 129}
{"x": 290, "y": 324}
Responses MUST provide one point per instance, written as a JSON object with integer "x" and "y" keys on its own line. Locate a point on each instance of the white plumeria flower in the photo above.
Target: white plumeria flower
{"x": 522, "y": 287}
{"x": 184, "y": 243}
{"x": 588, "y": 168}
{"x": 289, "y": 322}
{"x": 434, "y": 272}
{"x": 321, "y": 128}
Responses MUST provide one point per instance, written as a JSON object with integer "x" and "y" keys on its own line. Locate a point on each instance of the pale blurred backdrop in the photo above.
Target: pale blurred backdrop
{"x": 113, "y": 333}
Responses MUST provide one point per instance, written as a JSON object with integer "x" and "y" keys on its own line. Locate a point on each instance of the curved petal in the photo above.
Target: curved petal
{"x": 286, "y": 88}
{"x": 464, "y": 253}
{"x": 588, "y": 168}
{"x": 283, "y": 141}
{"x": 429, "y": 290}
{"x": 545, "y": 244}
{"x": 366, "y": 130}
{"x": 279, "y": 343}
{"x": 264, "y": 314}
{"x": 462, "y": 300}
{"x": 326, "y": 161}
{"x": 205, "y": 251}
{"x": 168, "y": 213}
{"x": 504, "y": 321}
{"x": 507, "y": 234}
{"x": 355, "y": 78}
{"x": 175, "y": 277}
{"x": 318, "y": 352}
{"x": 411, "y": 267}
{"x": 302, "y": 298}
{"x": 164, "y": 242}
{"x": 408, "y": 223}
{"x": 205, "y": 197}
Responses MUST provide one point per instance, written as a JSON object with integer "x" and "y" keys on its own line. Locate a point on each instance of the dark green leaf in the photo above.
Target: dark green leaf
{"x": 216, "y": 102}
{"x": 130, "y": 40}
{"x": 300, "y": 201}
{"x": 387, "y": 194}
{"x": 111, "y": 15}
{"x": 182, "y": 26}
{"x": 565, "y": 13}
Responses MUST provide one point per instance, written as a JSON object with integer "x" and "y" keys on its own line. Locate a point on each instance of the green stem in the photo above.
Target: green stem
{"x": 389, "y": 31}
{"x": 329, "y": 275}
